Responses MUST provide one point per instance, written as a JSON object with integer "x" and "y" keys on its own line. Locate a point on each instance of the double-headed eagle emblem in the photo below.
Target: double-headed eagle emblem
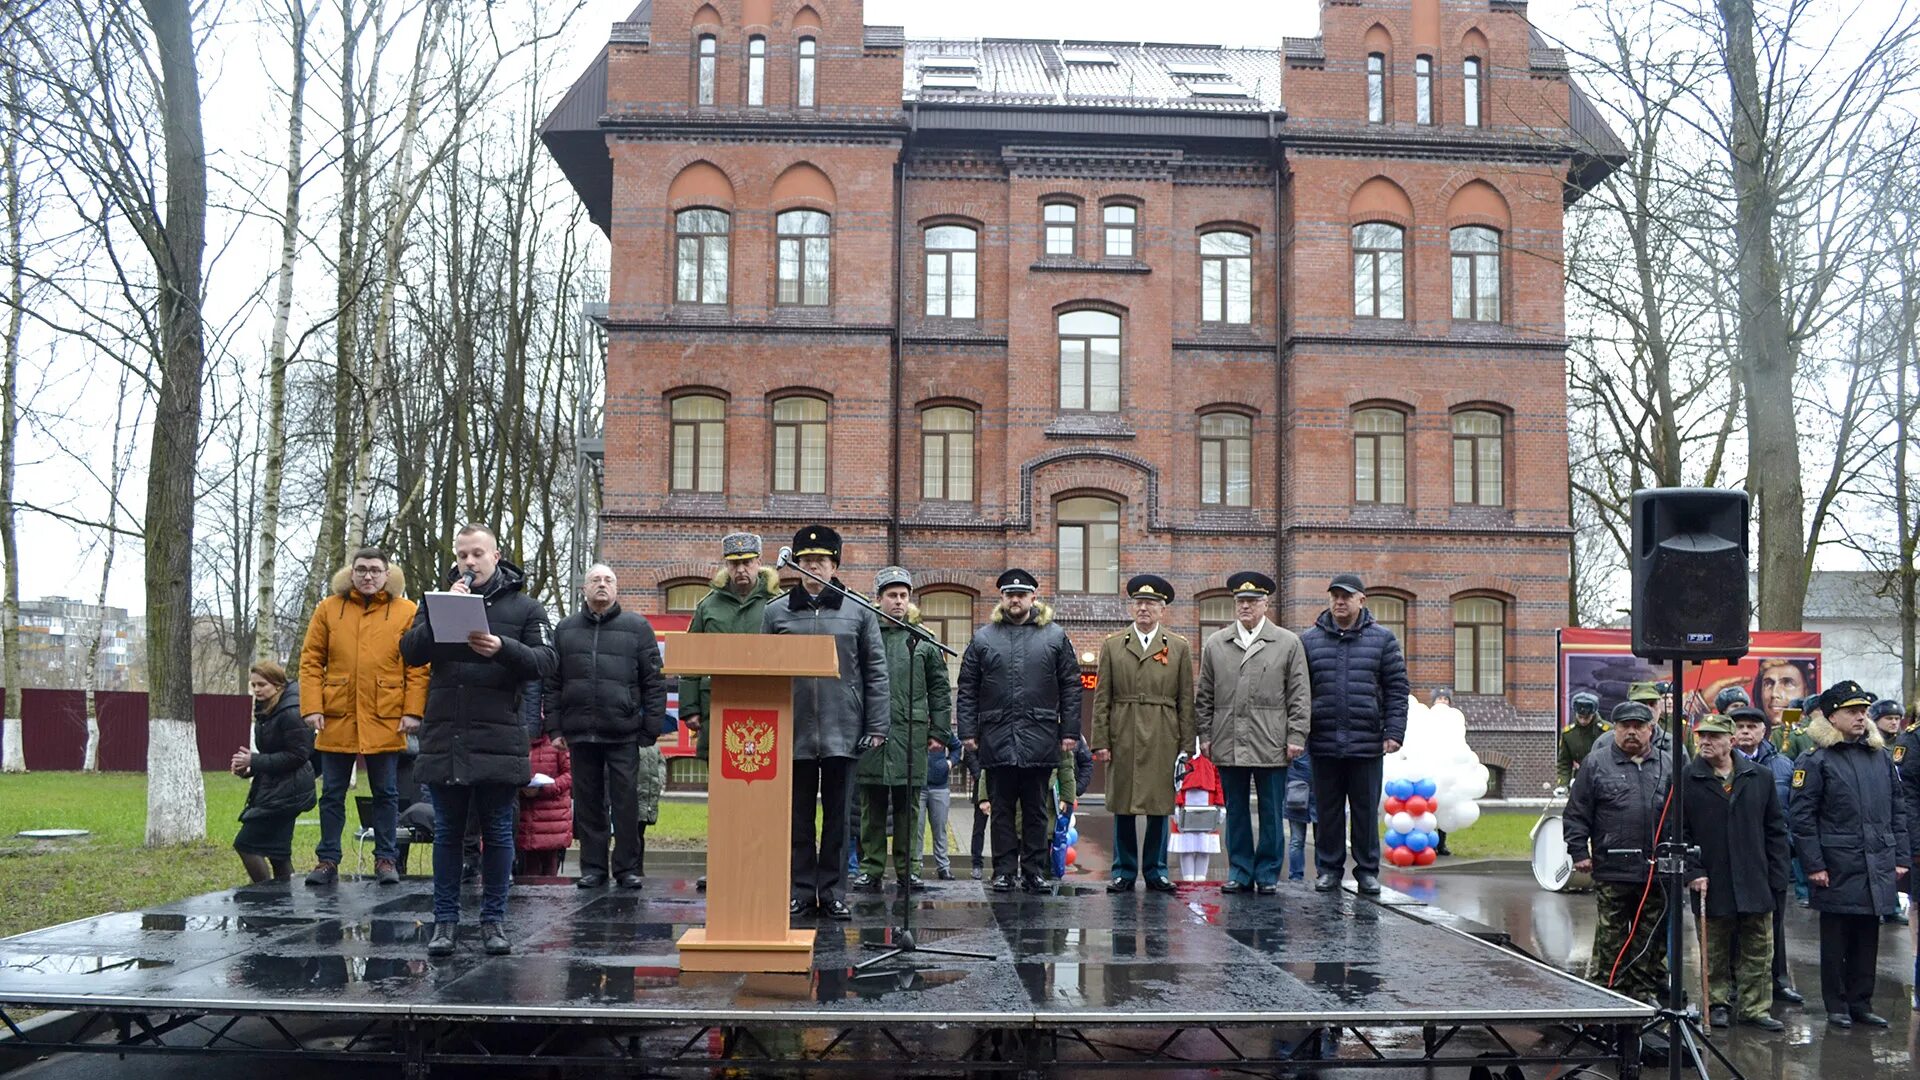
{"x": 749, "y": 746}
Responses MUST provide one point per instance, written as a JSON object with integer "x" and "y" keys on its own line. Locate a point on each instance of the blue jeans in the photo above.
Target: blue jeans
{"x": 1297, "y": 850}
{"x": 1252, "y": 861}
{"x": 495, "y": 805}
{"x": 336, "y": 772}
{"x": 1130, "y": 857}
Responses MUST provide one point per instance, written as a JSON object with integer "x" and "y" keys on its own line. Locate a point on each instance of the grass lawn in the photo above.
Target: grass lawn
{"x": 52, "y": 882}
{"x": 1499, "y": 834}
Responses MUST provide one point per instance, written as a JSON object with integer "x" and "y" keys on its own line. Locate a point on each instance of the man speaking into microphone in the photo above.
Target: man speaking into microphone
{"x": 835, "y": 720}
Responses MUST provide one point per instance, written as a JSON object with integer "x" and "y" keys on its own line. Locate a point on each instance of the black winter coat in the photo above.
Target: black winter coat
{"x": 1742, "y": 836}
{"x": 1359, "y": 681}
{"x": 1848, "y": 821}
{"x": 473, "y": 732}
{"x": 1906, "y": 758}
{"x": 606, "y": 685}
{"x": 1613, "y": 811}
{"x": 1019, "y": 691}
{"x": 282, "y": 761}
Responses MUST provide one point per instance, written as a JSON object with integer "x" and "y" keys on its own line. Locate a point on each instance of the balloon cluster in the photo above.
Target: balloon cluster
{"x": 1432, "y": 783}
{"x": 1073, "y": 838}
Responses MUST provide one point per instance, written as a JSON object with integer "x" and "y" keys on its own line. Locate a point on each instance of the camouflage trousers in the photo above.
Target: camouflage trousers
{"x": 1642, "y": 972}
{"x": 1740, "y": 961}
{"x": 650, "y": 777}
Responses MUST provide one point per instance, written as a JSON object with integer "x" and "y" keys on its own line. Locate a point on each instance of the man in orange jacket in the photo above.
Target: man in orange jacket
{"x": 366, "y": 701}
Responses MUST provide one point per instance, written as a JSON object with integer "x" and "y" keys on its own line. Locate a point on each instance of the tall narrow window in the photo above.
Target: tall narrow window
{"x": 756, "y": 71}
{"x": 946, "y": 454}
{"x": 700, "y": 256}
{"x": 1476, "y": 273}
{"x": 1226, "y": 277}
{"x": 1470, "y": 91}
{"x": 1423, "y": 89}
{"x": 803, "y": 90}
{"x": 1060, "y": 220}
{"x": 1376, "y": 88}
{"x": 1088, "y": 533}
{"x": 1121, "y": 223}
{"x": 803, "y": 257}
{"x": 800, "y": 445}
{"x": 704, "y": 76}
{"x": 1479, "y": 646}
{"x": 1378, "y": 271}
{"x": 699, "y": 443}
{"x": 1390, "y": 612}
{"x": 951, "y": 279}
{"x": 1090, "y": 361}
{"x": 1380, "y": 456}
{"x": 1226, "y": 459}
{"x": 1478, "y": 458}
{"x": 948, "y": 616}
{"x": 1216, "y": 613}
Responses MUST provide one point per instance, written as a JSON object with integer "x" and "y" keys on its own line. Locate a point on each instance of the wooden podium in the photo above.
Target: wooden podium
{"x": 749, "y": 795}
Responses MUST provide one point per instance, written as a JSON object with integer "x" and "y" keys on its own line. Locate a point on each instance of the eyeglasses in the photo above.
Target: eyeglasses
{"x": 361, "y": 571}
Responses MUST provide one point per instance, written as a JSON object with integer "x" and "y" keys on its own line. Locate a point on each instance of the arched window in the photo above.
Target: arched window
{"x": 1376, "y": 88}
{"x": 803, "y": 88}
{"x": 684, "y": 597}
{"x": 1226, "y": 277}
{"x": 946, "y": 453}
{"x": 951, "y": 271}
{"x": 1390, "y": 612}
{"x": 1090, "y": 361}
{"x": 1379, "y": 277}
{"x": 706, "y": 57}
{"x": 700, "y": 256}
{"x": 1380, "y": 456}
{"x": 1226, "y": 459}
{"x": 1479, "y": 645}
{"x": 800, "y": 445}
{"x": 1423, "y": 89}
{"x": 1087, "y": 533}
{"x": 1216, "y": 613}
{"x": 1479, "y": 458}
{"x": 756, "y": 70}
{"x": 1470, "y": 91}
{"x": 1122, "y": 223}
{"x": 1060, "y": 218}
{"x": 699, "y": 443}
{"x": 1476, "y": 273}
{"x": 948, "y": 615}
{"x": 804, "y": 259}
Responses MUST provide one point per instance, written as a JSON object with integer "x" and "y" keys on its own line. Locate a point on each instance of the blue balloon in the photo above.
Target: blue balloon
{"x": 1073, "y": 837}
{"x": 1400, "y": 789}
{"x": 1426, "y": 789}
{"x": 1395, "y": 839}
{"x": 1416, "y": 841}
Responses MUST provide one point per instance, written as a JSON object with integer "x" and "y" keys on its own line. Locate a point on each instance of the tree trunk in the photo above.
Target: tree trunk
{"x": 14, "y": 758}
{"x": 1906, "y": 567}
{"x": 176, "y": 796}
{"x": 1766, "y": 356}
{"x": 264, "y": 622}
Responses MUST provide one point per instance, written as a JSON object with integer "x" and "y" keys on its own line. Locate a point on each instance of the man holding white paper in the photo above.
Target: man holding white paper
{"x": 473, "y": 744}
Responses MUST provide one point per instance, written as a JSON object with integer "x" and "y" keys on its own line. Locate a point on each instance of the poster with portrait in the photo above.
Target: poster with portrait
{"x": 1779, "y": 666}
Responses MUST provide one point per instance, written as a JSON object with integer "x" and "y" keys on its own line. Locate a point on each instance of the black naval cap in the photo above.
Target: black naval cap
{"x": 1250, "y": 583}
{"x": 1149, "y": 587}
{"x": 1018, "y": 580}
{"x": 817, "y": 540}
{"x": 1842, "y": 695}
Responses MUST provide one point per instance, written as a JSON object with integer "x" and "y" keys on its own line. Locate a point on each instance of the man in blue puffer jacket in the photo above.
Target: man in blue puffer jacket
{"x": 1359, "y": 682}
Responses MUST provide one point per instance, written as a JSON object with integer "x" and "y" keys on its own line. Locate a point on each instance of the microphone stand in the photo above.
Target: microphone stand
{"x": 900, "y": 940}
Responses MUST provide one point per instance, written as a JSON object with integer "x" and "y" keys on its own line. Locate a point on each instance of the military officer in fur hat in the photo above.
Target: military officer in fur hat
{"x": 1142, "y": 720}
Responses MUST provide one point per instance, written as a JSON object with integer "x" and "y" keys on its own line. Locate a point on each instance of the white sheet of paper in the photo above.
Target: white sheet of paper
{"x": 454, "y": 615}
{"x": 540, "y": 779}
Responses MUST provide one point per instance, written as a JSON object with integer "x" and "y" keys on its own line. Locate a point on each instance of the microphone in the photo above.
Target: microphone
{"x": 467, "y": 577}
{"x": 786, "y": 557}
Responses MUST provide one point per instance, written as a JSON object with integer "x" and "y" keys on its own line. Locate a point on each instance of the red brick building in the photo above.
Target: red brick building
{"x": 1099, "y": 308}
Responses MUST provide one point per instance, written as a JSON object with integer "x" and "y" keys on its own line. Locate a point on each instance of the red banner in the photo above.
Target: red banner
{"x": 1779, "y": 666}
{"x": 749, "y": 744}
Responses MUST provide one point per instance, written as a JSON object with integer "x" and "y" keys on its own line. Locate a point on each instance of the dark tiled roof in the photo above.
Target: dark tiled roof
{"x": 1304, "y": 50}
{"x": 1191, "y": 78}
{"x": 885, "y": 37}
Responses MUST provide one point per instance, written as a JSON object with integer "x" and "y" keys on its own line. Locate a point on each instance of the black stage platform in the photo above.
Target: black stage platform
{"x": 1080, "y": 979}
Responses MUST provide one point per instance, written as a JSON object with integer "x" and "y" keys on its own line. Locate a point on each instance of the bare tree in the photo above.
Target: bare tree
{"x": 15, "y": 754}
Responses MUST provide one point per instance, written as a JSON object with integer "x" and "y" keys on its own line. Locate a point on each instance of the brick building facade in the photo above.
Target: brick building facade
{"x": 1099, "y": 308}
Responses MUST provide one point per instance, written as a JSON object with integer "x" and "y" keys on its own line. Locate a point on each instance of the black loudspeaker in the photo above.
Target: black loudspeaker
{"x": 1690, "y": 574}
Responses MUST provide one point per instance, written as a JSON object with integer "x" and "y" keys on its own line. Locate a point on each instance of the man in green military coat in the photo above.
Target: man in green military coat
{"x": 1142, "y": 720}
{"x": 1577, "y": 740}
{"x": 735, "y": 599}
{"x": 922, "y": 720}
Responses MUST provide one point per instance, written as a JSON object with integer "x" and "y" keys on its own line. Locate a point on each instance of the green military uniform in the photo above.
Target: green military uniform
{"x": 723, "y": 611}
{"x": 922, "y": 709}
{"x": 1643, "y": 964}
{"x": 1577, "y": 738}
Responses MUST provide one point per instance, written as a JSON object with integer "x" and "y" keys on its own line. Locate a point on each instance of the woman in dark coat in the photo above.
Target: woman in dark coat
{"x": 281, "y": 769}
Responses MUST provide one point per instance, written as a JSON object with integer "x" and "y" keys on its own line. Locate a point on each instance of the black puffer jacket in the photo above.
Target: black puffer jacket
{"x": 1019, "y": 691}
{"x": 281, "y": 764}
{"x": 473, "y": 732}
{"x": 1849, "y": 820}
{"x": 606, "y": 686}
{"x": 1359, "y": 681}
